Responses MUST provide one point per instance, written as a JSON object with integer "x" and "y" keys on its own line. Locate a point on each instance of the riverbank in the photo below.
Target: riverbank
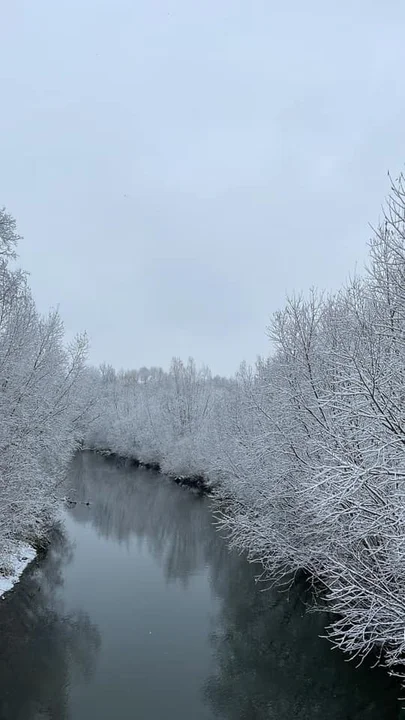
{"x": 198, "y": 483}
{"x": 13, "y": 564}
{"x": 17, "y": 555}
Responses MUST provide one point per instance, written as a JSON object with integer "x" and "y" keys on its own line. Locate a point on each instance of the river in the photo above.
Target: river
{"x": 139, "y": 611}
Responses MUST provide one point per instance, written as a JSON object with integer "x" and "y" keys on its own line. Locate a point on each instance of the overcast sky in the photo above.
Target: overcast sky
{"x": 177, "y": 167}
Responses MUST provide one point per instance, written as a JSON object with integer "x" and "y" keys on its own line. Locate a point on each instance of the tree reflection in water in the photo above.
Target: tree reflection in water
{"x": 271, "y": 664}
{"x": 125, "y": 502}
{"x": 42, "y": 648}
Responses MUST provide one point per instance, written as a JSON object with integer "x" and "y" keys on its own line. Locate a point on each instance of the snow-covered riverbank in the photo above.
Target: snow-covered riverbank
{"x": 17, "y": 560}
{"x": 200, "y": 483}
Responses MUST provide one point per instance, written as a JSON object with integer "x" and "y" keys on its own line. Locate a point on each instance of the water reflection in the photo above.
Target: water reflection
{"x": 271, "y": 664}
{"x": 43, "y": 649}
{"x": 125, "y": 502}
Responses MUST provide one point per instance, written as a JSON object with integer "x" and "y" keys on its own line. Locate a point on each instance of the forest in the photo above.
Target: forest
{"x": 303, "y": 453}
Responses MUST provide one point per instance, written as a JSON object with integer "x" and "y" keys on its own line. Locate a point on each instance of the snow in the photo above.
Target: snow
{"x": 18, "y": 560}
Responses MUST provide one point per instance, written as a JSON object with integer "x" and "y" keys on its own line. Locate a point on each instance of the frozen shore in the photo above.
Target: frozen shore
{"x": 15, "y": 562}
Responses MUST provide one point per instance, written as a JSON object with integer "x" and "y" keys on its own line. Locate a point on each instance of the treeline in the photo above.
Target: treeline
{"x": 306, "y": 447}
{"x": 160, "y": 418}
{"x": 44, "y": 404}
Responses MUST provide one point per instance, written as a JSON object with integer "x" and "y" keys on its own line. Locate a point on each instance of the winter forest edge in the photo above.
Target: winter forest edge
{"x": 303, "y": 453}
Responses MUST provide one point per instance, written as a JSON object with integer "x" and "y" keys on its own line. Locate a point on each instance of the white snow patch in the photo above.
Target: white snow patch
{"x": 21, "y": 556}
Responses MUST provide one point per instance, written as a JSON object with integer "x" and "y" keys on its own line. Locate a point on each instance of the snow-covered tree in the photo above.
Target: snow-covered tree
{"x": 40, "y": 406}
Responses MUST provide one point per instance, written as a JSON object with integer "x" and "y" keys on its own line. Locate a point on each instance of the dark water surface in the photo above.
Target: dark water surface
{"x": 141, "y": 613}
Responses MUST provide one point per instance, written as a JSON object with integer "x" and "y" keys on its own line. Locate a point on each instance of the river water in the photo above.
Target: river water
{"x": 139, "y": 611}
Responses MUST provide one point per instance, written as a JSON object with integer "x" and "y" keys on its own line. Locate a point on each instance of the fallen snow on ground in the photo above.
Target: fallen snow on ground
{"x": 17, "y": 561}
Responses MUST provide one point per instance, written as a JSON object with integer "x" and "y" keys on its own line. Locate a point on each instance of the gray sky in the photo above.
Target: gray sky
{"x": 177, "y": 167}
